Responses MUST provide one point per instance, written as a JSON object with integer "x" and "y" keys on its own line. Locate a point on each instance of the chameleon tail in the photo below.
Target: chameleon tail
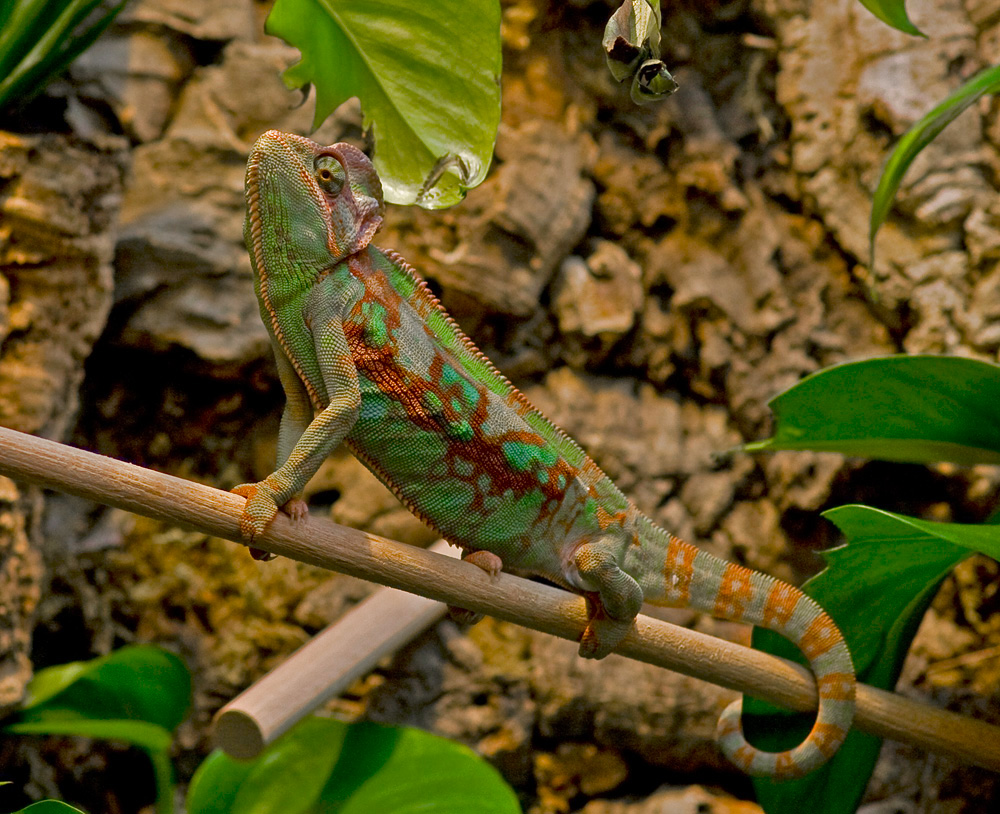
{"x": 693, "y": 578}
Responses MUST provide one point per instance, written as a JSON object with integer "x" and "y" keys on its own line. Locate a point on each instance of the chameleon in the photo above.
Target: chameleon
{"x": 368, "y": 356}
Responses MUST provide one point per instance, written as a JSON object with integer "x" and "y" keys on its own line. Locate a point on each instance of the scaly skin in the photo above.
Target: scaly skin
{"x": 368, "y": 356}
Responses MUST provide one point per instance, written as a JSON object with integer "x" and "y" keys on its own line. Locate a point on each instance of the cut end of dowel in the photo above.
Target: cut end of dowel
{"x": 237, "y": 734}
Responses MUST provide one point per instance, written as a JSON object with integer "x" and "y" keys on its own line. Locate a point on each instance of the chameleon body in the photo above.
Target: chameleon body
{"x": 368, "y": 356}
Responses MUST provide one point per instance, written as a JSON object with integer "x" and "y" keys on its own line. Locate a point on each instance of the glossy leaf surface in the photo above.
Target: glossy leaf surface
{"x": 427, "y": 75}
{"x": 138, "y": 683}
{"x": 335, "y": 768}
{"x": 918, "y": 409}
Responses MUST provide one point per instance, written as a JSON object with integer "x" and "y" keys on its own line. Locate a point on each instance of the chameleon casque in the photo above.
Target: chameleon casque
{"x": 368, "y": 356}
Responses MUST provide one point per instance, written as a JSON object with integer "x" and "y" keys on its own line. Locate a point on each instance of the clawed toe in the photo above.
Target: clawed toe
{"x": 296, "y": 508}
{"x": 486, "y": 560}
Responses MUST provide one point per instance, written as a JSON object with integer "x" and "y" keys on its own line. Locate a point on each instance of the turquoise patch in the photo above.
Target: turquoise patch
{"x": 449, "y": 375}
{"x": 522, "y": 456}
{"x": 376, "y": 330}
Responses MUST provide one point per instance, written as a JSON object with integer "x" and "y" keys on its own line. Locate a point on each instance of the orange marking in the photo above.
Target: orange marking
{"x": 785, "y": 766}
{"x": 728, "y": 726}
{"x": 678, "y": 569}
{"x": 606, "y": 520}
{"x": 734, "y": 593}
{"x": 591, "y": 472}
{"x": 827, "y": 737}
{"x": 743, "y": 757}
{"x": 780, "y": 606}
{"x": 836, "y": 686}
{"x": 820, "y": 637}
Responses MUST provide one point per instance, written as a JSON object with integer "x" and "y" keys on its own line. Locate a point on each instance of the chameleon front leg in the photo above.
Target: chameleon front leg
{"x": 322, "y": 435}
{"x": 295, "y": 418}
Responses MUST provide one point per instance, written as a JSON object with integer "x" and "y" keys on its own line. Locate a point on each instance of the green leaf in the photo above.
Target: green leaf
{"x": 39, "y": 38}
{"x": 868, "y": 526}
{"x": 892, "y": 12}
{"x": 216, "y": 783}
{"x": 137, "y": 694}
{"x": 899, "y": 408}
{"x": 407, "y": 771}
{"x": 335, "y": 768}
{"x": 138, "y": 683}
{"x": 918, "y": 137}
{"x": 49, "y": 807}
{"x": 151, "y": 737}
{"x": 427, "y": 75}
{"x": 877, "y": 589}
{"x": 303, "y": 763}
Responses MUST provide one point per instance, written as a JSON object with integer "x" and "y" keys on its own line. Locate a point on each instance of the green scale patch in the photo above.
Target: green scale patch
{"x": 523, "y": 456}
{"x": 376, "y": 329}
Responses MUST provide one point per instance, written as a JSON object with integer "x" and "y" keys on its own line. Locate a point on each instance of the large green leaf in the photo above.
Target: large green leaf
{"x": 335, "y": 768}
{"x": 137, "y": 683}
{"x": 898, "y": 408}
{"x": 137, "y": 694}
{"x": 427, "y": 75}
{"x": 407, "y": 771}
{"x": 892, "y": 12}
{"x": 877, "y": 589}
{"x": 918, "y": 137}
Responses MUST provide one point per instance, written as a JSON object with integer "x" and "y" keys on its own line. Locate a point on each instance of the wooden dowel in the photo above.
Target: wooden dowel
{"x": 542, "y": 607}
{"x": 321, "y": 669}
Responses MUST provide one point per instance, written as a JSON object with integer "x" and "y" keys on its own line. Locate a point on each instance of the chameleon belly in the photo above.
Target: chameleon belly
{"x": 458, "y": 454}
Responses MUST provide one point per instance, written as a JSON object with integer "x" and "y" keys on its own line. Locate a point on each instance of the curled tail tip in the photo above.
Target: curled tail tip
{"x": 833, "y": 721}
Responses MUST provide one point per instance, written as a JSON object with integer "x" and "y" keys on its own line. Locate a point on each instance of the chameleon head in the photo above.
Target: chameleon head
{"x": 308, "y": 206}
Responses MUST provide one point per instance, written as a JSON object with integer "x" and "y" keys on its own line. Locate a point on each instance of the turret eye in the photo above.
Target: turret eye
{"x": 329, "y": 174}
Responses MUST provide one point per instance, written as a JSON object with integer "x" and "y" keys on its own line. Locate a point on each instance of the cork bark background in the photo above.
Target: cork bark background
{"x": 649, "y": 276}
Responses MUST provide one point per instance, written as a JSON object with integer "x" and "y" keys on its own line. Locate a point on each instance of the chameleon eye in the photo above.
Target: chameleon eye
{"x": 329, "y": 174}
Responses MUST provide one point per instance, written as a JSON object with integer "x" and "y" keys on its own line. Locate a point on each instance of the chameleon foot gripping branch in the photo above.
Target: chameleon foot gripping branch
{"x": 368, "y": 356}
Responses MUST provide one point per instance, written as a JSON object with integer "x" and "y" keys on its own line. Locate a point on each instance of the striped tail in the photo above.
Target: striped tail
{"x": 692, "y": 578}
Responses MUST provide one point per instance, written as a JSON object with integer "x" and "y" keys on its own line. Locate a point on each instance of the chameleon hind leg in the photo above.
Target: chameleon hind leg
{"x": 613, "y": 597}
{"x": 492, "y": 565}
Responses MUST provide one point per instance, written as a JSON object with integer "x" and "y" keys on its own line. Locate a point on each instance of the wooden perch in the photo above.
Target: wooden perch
{"x": 322, "y": 668}
{"x": 542, "y": 607}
